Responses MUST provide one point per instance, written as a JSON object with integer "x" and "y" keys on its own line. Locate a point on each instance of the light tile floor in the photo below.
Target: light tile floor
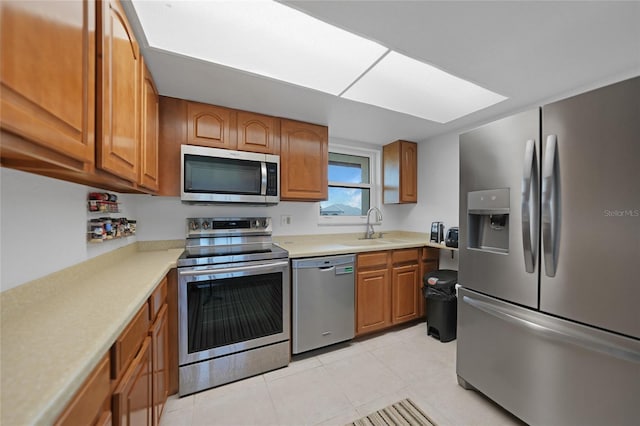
{"x": 339, "y": 384}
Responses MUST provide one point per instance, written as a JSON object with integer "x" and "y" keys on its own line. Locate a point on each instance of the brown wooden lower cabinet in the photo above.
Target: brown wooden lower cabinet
{"x": 160, "y": 362}
{"x": 388, "y": 289}
{"x": 405, "y": 287}
{"x": 132, "y": 398}
{"x": 131, "y": 383}
{"x": 373, "y": 300}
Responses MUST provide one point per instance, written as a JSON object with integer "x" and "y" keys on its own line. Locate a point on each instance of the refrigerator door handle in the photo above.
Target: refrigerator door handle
{"x": 561, "y": 334}
{"x": 550, "y": 207}
{"x": 529, "y": 203}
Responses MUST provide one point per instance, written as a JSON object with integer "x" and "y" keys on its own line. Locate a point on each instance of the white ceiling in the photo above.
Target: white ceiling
{"x": 531, "y": 52}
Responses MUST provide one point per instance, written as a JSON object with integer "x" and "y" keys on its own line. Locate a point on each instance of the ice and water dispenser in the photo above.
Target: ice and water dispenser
{"x": 488, "y": 216}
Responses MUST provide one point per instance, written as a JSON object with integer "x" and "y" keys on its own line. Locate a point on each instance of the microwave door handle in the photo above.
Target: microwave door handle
{"x": 263, "y": 182}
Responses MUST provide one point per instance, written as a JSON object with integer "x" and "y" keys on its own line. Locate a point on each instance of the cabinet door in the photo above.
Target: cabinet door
{"x": 118, "y": 103}
{"x": 404, "y": 293}
{"x": 408, "y": 172}
{"x": 127, "y": 344}
{"x": 304, "y": 160}
{"x": 258, "y": 133}
{"x": 47, "y": 81}
{"x": 372, "y": 297}
{"x": 148, "y": 176}
{"x": 173, "y": 133}
{"x": 159, "y": 363}
{"x": 400, "y": 172}
{"x": 132, "y": 403}
{"x": 211, "y": 126}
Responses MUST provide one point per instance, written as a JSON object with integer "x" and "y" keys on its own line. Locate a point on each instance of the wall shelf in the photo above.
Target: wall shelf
{"x": 107, "y": 228}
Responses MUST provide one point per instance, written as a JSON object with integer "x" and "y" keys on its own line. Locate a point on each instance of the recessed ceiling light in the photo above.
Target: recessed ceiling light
{"x": 400, "y": 83}
{"x": 260, "y": 37}
{"x": 273, "y": 40}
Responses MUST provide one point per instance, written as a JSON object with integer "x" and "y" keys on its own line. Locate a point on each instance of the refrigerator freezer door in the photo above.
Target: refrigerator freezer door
{"x": 594, "y": 214}
{"x": 496, "y": 159}
{"x": 545, "y": 370}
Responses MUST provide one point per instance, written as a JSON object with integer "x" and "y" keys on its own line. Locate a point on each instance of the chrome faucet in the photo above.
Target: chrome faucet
{"x": 369, "y": 234}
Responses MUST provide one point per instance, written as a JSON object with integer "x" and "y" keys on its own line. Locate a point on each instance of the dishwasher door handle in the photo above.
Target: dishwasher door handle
{"x": 326, "y": 268}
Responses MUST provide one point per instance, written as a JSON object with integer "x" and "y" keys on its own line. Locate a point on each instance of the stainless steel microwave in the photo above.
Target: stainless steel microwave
{"x": 213, "y": 175}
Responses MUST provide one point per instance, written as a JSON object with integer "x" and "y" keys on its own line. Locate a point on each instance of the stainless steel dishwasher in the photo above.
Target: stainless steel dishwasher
{"x": 323, "y": 301}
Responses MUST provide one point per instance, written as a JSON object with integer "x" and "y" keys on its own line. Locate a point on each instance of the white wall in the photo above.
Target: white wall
{"x": 438, "y": 190}
{"x": 43, "y": 225}
{"x": 43, "y": 221}
{"x": 163, "y": 218}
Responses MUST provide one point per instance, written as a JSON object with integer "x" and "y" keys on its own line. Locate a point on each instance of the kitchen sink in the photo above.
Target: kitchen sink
{"x": 363, "y": 242}
{"x": 373, "y": 242}
{"x": 394, "y": 241}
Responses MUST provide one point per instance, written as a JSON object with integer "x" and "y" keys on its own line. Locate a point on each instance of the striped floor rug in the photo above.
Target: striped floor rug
{"x": 402, "y": 413}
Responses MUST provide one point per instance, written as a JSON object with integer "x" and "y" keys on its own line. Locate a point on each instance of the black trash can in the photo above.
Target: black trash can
{"x": 440, "y": 292}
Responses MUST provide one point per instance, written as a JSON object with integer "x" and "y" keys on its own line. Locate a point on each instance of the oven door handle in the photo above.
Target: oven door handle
{"x": 195, "y": 273}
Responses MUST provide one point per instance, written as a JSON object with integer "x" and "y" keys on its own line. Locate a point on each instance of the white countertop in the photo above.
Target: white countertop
{"x": 56, "y": 329}
{"x": 328, "y": 244}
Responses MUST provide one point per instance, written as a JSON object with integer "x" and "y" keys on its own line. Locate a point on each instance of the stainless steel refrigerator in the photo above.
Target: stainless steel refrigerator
{"x": 549, "y": 309}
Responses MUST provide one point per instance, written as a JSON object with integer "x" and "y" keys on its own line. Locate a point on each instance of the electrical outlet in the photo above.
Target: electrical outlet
{"x": 285, "y": 220}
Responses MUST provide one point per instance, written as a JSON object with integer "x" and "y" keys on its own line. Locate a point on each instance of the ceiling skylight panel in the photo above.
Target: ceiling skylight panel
{"x": 260, "y": 37}
{"x": 400, "y": 83}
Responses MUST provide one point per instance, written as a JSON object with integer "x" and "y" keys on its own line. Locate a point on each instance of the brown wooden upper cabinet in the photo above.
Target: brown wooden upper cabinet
{"x": 303, "y": 147}
{"x": 210, "y": 125}
{"x": 258, "y": 133}
{"x": 304, "y": 160}
{"x": 119, "y": 93}
{"x": 47, "y": 83}
{"x": 148, "y": 164}
{"x": 400, "y": 172}
{"x": 89, "y": 117}
{"x": 173, "y": 133}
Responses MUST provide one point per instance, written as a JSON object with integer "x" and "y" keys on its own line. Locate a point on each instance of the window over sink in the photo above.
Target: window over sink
{"x": 352, "y": 187}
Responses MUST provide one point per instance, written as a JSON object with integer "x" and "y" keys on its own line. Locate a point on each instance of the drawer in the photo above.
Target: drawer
{"x": 405, "y": 256}
{"x": 157, "y": 299}
{"x": 126, "y": 346}
{"x": 87, "y": 405}
{"x": 430, "y": 253}
{"x": 377, "y": 258}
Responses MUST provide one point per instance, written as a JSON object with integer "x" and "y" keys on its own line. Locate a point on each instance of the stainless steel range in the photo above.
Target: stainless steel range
{"x": 233, "y": 302}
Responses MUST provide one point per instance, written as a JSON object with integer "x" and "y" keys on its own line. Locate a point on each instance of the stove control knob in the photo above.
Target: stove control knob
{"x": 205, "y": 225}
{"x": 195, "y": 225}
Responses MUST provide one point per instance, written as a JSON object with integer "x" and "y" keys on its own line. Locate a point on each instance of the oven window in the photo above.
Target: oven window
{"x": 232, "y": 310}
{"x": 221, "y": 175}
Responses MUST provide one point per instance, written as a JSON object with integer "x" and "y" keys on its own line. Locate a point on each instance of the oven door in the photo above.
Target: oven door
{"x": 232, "y": 308}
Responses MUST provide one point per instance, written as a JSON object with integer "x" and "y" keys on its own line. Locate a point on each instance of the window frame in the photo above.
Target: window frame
{"x": 373, "y": 186}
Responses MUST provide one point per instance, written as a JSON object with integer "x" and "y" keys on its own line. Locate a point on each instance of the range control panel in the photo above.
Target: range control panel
{"x": 199, "y": 226}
